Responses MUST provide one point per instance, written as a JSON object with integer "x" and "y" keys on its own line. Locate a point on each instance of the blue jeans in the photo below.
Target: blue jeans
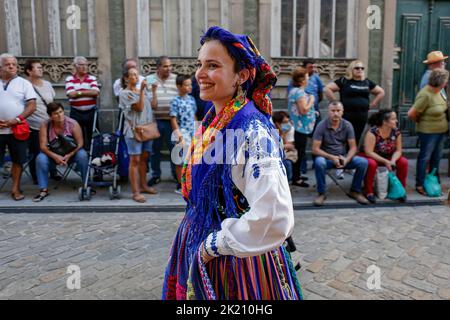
{"x": 289, "y": 169}
{"x": 322, "y": 165}
{"x": 165, "y": 129}
{"x": 44, "y": 163}
{"x": 431, "y": 150}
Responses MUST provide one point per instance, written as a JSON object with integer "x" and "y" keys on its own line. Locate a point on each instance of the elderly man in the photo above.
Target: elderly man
{"x": 331, "y": 139}
{"x": 164, "y": 90}
{"x": 17, "y": 103}
{"x": 82, "y": 90}
{"x": 435, "y": 60}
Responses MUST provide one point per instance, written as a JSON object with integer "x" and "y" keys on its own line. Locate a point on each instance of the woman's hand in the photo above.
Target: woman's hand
{"x": 388, "y": 165}
{"x": 144, "y": 85}
{"x": 205, "y": 256}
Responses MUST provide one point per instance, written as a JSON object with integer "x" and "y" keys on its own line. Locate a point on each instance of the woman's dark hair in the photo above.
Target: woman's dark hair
{"x": 29, "y": 66}
{"x": 181, "y": 79}
{"x": 279, "y": 116}
{"x": 377, "y": 119}
{"x": 123, "y": 80}
{"x": 53, "y": 107}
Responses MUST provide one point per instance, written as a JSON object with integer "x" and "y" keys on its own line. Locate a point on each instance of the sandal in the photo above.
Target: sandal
{"x": 17, "y": 196}
{"x": 139, "y": 198}
{"x": 421, "y": 191}
{"x": 150, "y": 191}
{"x": 41, "y": 196}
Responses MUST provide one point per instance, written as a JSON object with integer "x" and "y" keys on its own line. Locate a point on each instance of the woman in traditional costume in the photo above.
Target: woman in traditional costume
{"x": 239, "y": 210}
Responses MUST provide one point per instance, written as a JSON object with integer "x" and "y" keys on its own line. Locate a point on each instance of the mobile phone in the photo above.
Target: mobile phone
{"x": 151, "y": 80}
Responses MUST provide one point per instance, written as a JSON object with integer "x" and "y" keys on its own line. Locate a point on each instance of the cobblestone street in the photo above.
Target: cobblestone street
{"x": 122, "y": 256}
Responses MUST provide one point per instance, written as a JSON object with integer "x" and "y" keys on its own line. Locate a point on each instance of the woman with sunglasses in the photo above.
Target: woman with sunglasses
{"x": 355, "y": 90}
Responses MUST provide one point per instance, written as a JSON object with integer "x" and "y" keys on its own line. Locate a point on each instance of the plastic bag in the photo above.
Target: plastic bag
{"x": 432, "y": 186}
{"x": 396, "y": 189}
{"x": 382, "y": 183}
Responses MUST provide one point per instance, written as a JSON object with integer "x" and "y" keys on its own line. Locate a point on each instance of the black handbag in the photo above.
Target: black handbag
{"x": 62, "y": 145}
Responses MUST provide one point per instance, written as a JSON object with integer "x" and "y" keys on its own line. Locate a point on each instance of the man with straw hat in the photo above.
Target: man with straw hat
{"x": 435, "y": 60}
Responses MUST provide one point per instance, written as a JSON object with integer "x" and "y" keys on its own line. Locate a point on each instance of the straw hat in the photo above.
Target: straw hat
{"x": 435, "y": 56}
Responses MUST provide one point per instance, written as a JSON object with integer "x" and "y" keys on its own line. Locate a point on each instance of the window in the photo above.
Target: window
{"x": 315, "y": 28}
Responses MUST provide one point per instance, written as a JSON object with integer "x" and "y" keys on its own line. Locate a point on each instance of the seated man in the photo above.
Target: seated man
{"x": 59, "y": 125}
{"x": 333, "y": 137}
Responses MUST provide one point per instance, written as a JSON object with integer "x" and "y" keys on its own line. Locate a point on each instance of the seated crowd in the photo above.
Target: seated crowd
{"x": 336, "y": 143}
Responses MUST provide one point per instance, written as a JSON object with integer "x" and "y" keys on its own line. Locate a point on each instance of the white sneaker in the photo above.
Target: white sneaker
{"x": 339, "y": 174}
{"x": 179, "y": 191}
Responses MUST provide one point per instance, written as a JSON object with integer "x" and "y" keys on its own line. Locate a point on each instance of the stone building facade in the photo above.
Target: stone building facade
{"x": 334, "y": 32}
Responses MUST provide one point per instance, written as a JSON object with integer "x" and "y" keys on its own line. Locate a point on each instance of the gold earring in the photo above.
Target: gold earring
{"x": 241, "y": 95}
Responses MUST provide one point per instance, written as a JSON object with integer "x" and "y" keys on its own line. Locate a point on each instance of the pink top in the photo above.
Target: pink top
{"x": 69, "y": 125}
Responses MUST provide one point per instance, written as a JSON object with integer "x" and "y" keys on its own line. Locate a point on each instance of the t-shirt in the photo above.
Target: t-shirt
{"x": 333, "y": 141}
{"x": 133, "y": 118}
{"x": 14, "y": 95}
{"x": 315, "y": 87}
{"x": 73, "y": 84}
{"x": 385, "y": 148}
{"x": 355, "y": 96}
{"x": 40, "y": 115}
{"x": 166, "y": 92}
{"x": 431, "y": 109}
{"x": 117, "y": 87}
{"x": 69, "y": 126}
{"x": 303, "y": 123}
{"x": 184, "y": 109}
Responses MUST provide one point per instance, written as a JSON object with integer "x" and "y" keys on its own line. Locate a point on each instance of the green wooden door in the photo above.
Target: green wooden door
{"x": 422, "y": 26}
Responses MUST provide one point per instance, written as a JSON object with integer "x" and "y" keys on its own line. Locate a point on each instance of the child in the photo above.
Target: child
{"x": 182, "y": 113}
{"x": 287, "y": 132}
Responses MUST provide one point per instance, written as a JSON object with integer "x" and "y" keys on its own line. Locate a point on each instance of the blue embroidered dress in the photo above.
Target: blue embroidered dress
{"x": 247, "y": 201}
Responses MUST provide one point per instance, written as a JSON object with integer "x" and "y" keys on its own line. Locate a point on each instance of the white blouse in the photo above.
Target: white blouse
{"x": 262, "y": 180}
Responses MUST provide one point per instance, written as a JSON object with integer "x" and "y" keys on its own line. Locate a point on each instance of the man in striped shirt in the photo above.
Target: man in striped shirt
{"x": 164, "y": 90}
{"x": 82, "y": 90}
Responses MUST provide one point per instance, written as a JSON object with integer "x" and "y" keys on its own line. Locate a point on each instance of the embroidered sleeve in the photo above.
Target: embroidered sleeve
{"x": 261, "y": 177}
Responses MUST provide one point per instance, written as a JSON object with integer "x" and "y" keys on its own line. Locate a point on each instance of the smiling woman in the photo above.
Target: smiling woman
{"x": 239, "y": 212}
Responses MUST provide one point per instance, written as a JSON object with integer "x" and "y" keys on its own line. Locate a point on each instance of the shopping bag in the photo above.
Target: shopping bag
{"x": 396, "y": 189}
{"x": 432, "y": 186}
{"x": 382, "y": 183}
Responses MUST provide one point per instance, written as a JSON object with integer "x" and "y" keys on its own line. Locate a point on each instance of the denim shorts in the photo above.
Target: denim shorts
{"x": 137, "y": 148}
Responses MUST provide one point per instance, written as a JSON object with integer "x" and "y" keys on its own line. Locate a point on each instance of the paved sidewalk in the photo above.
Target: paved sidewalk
{"x": 66, "y": 197}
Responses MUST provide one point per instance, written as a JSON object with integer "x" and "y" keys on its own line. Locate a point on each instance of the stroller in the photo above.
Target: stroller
{"x": 103, "y": 161}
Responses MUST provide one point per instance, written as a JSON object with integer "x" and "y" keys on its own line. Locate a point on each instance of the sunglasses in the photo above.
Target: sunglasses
{"x": 360, "y": 68}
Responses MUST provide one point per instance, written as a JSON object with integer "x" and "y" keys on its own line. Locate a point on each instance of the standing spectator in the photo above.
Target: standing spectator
{"x": 164, "y": 90}
{"x": 430, "y": 113}
{"x": 17, "y": 103}
{"x": 331, "y": 140}
{"x": 355, "y": 90}
{"x": 202, "y": 106}
{"x": 126, "y": 65}
{"x": 383, "y": 147}
{"x": 182, "y": 112}
{"x": 136, "y": 105}
{"x": 45, "y": 95}
{"x": 303, "y": 114}
{"x": 59, "y": 125}
{"x": 82, "y": 90}
{"x": 287, "y": 134}
{"x": 435, "y": 60}
{"x": 315, "y": 87}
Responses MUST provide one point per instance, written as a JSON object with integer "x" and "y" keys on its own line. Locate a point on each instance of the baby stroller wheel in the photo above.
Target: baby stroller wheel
{"x": 81, "y": 194}
{"x": 89, "y": 194}
{"x": 114, "y": 193}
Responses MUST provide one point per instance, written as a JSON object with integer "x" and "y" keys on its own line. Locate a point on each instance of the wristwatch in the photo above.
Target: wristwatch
{"x": 19, "y": 121}
{"x": 79, "y": 93}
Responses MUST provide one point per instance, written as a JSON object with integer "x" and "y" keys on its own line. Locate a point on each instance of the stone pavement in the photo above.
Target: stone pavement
{"x": 123, "y": 255}
{"x": 66, "y": 197}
